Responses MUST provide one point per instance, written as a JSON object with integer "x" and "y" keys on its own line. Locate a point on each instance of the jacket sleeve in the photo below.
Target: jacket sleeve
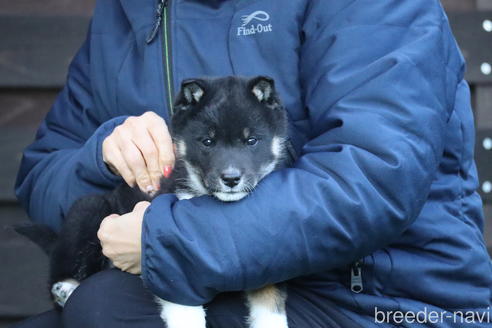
{"x": 380, "y": 80}
{"x": 65, "y": 160}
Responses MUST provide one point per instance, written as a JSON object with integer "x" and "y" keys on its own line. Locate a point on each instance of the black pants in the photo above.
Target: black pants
{"x": 114, "y": 299}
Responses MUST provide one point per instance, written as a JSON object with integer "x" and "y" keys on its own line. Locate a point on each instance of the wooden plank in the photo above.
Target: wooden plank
{"x": 21, "y": 114}
{"x": 483, "y": 106}
{"x": 483, "y": 149}
{"x": 483, "y": 156}
{"x": 484, "y": 4}
{"x": 24, "y": 274}
{"x": 36, "y": 51}
{"x": 488, "y": 227}
{"x": 47, "y": 7}
{"x": 458, "y": 5}
{"x": 475, "y": 42}
{"x": 12, "y": 142}
{"x": 24, "y": 107}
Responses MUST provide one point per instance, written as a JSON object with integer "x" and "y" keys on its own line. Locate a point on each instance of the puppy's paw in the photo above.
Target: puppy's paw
{"x": 182, "y": 316}
{"x": 62, "y": 290}
{"x": 268, "y": 320}
{"x": 267, "y": 308}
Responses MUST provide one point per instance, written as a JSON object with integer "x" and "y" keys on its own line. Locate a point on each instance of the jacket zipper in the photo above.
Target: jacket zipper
{"x": 168, "y": 55}
{"x": 356, "y": 285}
{"x": 162, "y": 16}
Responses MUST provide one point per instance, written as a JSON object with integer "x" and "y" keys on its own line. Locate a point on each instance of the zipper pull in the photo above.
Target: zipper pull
{"x": 158, "y": 19}
{"x": 356, "y": 278}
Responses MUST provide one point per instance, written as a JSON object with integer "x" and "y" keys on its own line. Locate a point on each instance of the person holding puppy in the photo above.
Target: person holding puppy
{"x": 378, "y": 214}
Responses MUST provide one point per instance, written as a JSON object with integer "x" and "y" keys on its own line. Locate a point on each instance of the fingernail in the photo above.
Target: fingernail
{"x": 149, "y": 189}
{"x": 167, "y": 171}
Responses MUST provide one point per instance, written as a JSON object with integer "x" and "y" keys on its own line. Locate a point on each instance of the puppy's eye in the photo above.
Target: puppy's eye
{"x": 207, "y": 142}
{"x": 251, "y": 141}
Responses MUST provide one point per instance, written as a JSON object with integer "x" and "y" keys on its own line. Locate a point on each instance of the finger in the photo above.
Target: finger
{"x": 147, "y": 147}
{"x": 108, "y": 148}
{"x": 141, "y": 206}
{"x": 134, "y": 270}
{"x": 123, "y": 266}
{"x": 116, "y": 159}
{"x": 160, "y": 134}
{"x": 132, "y": 155}
{"x": 135, "y": 161}
{"x": 101, "y": 232}
{"x": 104, "y": 252}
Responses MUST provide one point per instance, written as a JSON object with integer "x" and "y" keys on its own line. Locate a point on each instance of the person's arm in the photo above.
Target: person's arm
{"x": 65, "y": 161}
{"x": 379, "y": 80}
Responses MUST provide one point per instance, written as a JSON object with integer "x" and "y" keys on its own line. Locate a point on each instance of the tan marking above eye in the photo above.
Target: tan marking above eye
{"x": 211, "y": 133}
{"x": 246, "y": 133}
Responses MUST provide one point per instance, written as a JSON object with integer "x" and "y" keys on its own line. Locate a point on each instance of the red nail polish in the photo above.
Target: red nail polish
{"x": 167, "y": 171}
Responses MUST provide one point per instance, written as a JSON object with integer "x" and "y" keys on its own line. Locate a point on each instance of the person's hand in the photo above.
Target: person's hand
{"x": 140, "y": 150}
{"x": 120, "y": 238}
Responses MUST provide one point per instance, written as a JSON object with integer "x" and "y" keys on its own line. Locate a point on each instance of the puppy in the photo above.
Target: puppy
{"x": 229, "y": 134}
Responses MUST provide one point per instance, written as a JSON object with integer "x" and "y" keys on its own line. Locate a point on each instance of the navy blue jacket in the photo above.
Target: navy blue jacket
{"x": 381, "y": 122}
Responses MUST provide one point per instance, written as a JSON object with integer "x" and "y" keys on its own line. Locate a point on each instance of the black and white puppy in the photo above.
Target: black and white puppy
{"x": 229, "y": 134}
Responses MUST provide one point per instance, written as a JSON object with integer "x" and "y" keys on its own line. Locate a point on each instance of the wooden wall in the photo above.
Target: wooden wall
{"x": 37, "y": 42}
{"x": 471, "y": 21}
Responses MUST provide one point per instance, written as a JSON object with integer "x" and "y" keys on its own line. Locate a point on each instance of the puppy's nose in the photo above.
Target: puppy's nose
{"x": 231, "y": 177}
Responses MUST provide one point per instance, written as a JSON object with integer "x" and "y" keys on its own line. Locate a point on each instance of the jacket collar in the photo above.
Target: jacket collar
{"x": 141, "y": 14}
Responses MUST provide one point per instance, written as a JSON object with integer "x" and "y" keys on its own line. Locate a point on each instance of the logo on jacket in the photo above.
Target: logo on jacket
{"x": 250, "y": 27}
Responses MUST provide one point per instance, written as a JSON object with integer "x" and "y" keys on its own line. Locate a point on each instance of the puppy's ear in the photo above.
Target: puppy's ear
{"x": 263, "y": 88}
{"x": 191, "y": 93}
